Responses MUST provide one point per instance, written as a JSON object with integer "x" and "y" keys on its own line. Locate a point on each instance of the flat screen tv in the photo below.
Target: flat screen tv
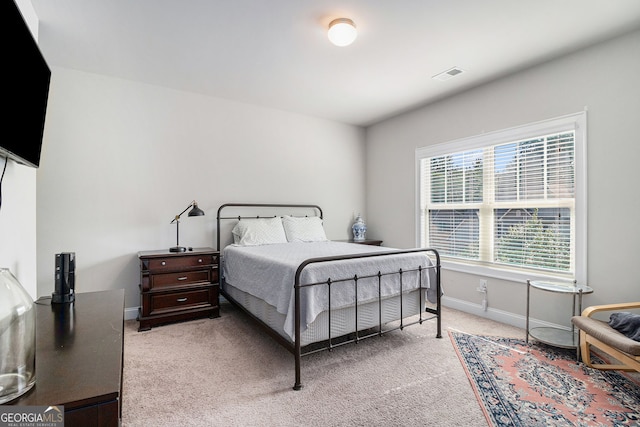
{"x": 25, "y": 90}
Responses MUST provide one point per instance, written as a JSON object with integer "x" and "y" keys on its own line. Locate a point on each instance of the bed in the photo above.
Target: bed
{"x": 312, "y": 294}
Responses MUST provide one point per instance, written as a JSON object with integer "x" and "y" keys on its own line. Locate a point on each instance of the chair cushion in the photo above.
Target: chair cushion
{"x": 605, "y": 333}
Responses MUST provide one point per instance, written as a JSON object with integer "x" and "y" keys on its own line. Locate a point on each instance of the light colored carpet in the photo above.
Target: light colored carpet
{"x": 227, "y": 372}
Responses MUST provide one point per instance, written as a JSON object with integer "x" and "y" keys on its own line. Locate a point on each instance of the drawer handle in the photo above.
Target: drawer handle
{"x": 181, "y": 299}
{"x": 200, "y": 260}
{"x": 164, "y": 262}
{"x": 182, "y": 278}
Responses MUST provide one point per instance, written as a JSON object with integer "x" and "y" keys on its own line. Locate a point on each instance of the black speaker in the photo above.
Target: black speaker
{"x": 65, "y": 274}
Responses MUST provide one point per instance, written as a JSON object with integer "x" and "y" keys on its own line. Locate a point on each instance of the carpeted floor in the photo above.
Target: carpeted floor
{"x": 226, "y": 372}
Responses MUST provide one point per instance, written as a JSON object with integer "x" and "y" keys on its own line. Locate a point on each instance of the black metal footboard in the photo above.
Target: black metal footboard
{"x": 356, "y": 336}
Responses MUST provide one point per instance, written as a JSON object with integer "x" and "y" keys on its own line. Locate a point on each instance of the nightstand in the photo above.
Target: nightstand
{"x": 177, "y": 286}
{"x": 371, "y": 242}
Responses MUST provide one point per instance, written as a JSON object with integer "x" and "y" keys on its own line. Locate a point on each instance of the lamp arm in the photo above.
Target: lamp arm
{"x": 180, "y": 214}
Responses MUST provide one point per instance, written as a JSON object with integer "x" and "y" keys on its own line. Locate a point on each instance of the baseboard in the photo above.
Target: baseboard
{"x": 501, "y": 316}
{"x": 131, "y": 313}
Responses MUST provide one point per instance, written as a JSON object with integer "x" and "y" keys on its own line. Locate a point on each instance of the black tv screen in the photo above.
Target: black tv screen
{"x": 25, "y": 89}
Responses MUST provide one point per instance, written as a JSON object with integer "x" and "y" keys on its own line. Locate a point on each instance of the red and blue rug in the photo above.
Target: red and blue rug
{"x": 537, "y": 385}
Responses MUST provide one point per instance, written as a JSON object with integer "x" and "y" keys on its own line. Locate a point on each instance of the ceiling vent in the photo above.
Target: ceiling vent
{"x": 446, "y": 75}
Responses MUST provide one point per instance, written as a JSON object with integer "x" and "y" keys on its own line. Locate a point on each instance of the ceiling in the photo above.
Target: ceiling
{"x": 275, "y": 53}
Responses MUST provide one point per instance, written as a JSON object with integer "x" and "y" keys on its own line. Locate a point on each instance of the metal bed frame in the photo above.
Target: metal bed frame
{"x": 296, "y": 348}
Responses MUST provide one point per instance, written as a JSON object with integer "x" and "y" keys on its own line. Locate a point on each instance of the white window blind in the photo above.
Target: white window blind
{"x": 509, "y": 200}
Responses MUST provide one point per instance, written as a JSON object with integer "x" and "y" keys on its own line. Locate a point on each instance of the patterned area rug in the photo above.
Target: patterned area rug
{"x": 537, "y": 385}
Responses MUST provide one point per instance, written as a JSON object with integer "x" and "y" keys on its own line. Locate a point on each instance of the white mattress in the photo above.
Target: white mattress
{"x": 343, "y": 320}
{"x": 267, "y": 273}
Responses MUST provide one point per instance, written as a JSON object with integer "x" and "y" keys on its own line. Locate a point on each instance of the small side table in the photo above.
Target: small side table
{"x": 555, "y": 336}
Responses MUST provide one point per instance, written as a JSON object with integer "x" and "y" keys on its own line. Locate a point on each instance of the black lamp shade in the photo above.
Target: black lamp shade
{"x": 196, "y": 211}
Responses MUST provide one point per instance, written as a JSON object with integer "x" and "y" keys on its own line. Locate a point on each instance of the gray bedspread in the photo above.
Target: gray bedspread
{"x": 268, "y": 272}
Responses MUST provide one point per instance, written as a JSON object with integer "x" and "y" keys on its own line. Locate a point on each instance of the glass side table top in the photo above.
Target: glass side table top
{"x": 561, "y": 287}
{"x": 555, "y": 337}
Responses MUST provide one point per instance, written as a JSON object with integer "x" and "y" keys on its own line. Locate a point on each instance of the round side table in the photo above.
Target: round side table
{"x": 555, "y": 336}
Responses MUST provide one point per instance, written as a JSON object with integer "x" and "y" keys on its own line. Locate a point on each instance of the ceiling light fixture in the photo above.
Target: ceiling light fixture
{"x": 342, "y": 31}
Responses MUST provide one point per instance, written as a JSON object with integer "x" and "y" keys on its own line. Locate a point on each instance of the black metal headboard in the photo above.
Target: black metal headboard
{"x": 236, "y": 211}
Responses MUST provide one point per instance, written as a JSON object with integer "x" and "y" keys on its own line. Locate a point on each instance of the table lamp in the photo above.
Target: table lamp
{"x": 195, "y": 211}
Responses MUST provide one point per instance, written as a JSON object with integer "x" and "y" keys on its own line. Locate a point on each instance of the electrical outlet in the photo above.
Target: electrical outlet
{"x": 483, "y": 285}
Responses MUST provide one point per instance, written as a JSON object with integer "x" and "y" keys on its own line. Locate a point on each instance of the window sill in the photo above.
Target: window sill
{"x": 512, "y": 275}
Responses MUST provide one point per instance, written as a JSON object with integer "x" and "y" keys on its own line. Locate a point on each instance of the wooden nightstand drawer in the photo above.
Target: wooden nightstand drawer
{"x": 163, "y": 303}
{"x": 180, "y": 263}
{"x": 180, "y": 278}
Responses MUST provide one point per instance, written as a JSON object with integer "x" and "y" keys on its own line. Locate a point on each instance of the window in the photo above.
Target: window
{"x": 511, "y": 201}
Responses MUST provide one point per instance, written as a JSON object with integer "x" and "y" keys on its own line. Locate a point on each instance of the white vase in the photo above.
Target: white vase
{"x": 17, "y": 338}
{"x": 359, "y": 229}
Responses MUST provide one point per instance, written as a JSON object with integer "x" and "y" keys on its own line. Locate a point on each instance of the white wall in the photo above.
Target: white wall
{"x": 18, "y": 224}
{"x": 603, "y": 78}
{"x": 18, "y": 212}
{"x": 122, "y": 158}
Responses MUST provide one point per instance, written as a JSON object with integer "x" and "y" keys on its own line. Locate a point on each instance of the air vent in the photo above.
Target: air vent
{"x": 446, "y": 75}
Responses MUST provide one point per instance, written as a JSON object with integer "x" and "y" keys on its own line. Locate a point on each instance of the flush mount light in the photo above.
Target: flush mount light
{"x": 342, "y": 31}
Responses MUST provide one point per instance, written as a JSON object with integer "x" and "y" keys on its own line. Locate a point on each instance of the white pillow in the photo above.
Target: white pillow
{"x": 258, "y": 231}
{"x": 304, "y": 229}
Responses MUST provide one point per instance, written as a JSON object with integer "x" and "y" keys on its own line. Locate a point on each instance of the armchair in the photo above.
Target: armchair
{"x": 599, "y": 334}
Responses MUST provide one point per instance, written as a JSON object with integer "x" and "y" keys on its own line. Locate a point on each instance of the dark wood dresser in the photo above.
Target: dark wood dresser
{"x": 79, "y": 351}
{"x": 177, "y": 286}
